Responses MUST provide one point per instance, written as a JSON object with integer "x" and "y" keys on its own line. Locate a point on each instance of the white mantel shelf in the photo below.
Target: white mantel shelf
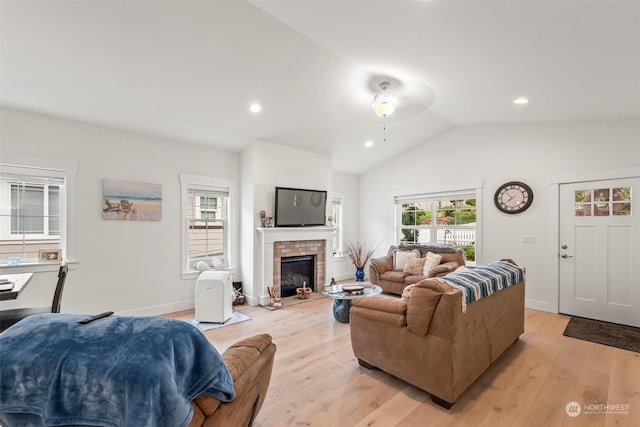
{"x": 266, "y": 236}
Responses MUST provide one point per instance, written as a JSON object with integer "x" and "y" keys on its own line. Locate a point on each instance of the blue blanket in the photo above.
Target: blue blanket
{"x": 115, "y": 371}
{"x": 480, "y": 282}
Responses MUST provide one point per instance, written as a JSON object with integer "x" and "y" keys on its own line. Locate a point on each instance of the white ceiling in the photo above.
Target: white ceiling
{"x": 189, "y": 70}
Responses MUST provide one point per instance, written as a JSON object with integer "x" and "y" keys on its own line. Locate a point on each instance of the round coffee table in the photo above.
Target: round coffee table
{"x": 342, "y": 299}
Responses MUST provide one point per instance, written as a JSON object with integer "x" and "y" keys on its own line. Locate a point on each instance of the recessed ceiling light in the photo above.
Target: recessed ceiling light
{"x": 255, "y": 108}
{"x": 368, "y": 144}
{"x": 521, "y": 101}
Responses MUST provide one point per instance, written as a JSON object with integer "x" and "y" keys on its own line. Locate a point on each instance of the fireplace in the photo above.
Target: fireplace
{"x": 295, "y": 271}
{"x": 275, "y": 243}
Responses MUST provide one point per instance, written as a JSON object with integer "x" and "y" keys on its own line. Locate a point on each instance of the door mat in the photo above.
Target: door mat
{"x": 611, "y": 334}
{"x": 236, "y": 317}
{"x": 294, "y": 300}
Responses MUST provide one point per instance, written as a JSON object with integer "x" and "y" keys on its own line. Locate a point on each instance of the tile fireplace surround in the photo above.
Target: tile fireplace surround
{"x": 273, "y": 243}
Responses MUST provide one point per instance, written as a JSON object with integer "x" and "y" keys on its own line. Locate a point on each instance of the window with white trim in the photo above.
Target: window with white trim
{"x": 442, "y": 218}
{"x": 337, "y": 222}
{"x": 206, "y": 203}
{"x": 35, "y": 207}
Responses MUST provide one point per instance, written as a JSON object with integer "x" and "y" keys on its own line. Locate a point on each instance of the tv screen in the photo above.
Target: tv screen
{"x": 296, "y": 207}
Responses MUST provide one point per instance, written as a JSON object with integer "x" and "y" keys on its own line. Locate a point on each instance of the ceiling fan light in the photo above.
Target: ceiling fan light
{"x": 384, "y": 103}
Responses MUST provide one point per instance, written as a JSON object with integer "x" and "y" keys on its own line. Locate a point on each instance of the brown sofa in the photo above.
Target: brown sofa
{"x": 381, "y": 270}
{"x": 250, "y": 362}
{"x": 429, "y": 342}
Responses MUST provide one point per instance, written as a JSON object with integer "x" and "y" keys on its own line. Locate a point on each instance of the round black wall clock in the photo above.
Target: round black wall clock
{"x": 513, "y": 197}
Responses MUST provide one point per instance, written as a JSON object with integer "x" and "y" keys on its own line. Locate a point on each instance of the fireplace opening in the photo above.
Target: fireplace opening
{"x": 293, "y": 271}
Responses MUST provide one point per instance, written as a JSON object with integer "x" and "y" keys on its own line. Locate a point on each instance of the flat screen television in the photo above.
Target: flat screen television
{"x": 297, "y": 207}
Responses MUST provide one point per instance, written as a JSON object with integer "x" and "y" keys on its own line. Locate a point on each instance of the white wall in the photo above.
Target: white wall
{"x": 127, "y": 266}
{"x": 266, "y": 165}
{"x": 492, "y": 155}
{"x": 347, "y": 185}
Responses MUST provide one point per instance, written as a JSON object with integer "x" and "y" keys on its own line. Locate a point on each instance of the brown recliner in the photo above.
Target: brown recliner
{"x": 250, "y": 362}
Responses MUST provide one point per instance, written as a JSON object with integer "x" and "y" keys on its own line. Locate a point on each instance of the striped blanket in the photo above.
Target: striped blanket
{"x": 480, "y": 282}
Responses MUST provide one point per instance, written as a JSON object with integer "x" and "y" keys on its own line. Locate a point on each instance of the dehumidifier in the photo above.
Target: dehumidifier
{"x": 214, "y": 296}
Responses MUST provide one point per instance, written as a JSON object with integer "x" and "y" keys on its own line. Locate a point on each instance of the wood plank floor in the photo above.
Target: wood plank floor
{"x": 317, "y": 381}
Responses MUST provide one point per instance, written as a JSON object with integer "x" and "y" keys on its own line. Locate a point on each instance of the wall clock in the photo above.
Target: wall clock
{"x": 513, "y": 197}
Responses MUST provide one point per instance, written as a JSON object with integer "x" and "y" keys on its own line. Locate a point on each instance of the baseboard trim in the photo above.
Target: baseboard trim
{"x": 160, "y": 309}
{"x": 538, "y": 305}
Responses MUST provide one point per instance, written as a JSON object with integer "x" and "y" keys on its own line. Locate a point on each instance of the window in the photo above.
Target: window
{"x": 36, "y": 207}
{"x": 446, "y": 218}
{"x": 336, "y": 213}
{"x": 597, "y": 202}
{"x": 206, "y": 212}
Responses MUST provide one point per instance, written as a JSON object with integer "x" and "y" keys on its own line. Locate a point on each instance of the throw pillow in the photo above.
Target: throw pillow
{"x": 432, "y": 260}
{"x": 414, "y": 266}
{"x": 400, "y": 258}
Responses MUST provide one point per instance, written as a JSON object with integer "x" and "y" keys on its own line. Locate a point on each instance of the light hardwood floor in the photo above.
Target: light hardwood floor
{"x": 317, "y": 381}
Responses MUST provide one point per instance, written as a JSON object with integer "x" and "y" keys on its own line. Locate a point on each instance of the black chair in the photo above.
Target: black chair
{"x": 10, "y": 317}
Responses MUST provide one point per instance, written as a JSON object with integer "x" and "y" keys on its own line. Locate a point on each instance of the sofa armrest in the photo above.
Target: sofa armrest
{"x": 239, "y": 358}
{"x": 382, "y": 308}
{"x": 377, "y": 266}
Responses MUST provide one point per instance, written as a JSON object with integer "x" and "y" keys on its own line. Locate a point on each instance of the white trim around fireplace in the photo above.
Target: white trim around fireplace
{"x": 266, "y": 237}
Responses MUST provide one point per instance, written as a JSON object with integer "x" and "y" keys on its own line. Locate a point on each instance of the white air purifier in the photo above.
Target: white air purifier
{"x": 214, "y": 296}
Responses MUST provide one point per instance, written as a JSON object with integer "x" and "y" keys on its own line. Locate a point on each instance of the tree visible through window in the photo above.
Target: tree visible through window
{"x": 439, "y": 220}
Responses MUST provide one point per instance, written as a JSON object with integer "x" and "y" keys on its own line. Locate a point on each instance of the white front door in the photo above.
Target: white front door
{"x": 599, "y": 252}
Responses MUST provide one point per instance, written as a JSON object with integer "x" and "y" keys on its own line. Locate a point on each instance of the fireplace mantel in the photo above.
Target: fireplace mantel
{"x": 267, "y": 236}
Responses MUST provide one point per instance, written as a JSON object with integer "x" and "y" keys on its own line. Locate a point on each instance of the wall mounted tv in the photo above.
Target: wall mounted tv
{"x": 296, "y": 207}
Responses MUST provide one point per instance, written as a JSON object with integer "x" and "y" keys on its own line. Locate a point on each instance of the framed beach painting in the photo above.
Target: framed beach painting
{"x": 131, "y": 200}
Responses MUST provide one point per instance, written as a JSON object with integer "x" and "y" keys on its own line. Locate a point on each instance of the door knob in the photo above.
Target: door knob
{"x": 566, "y": 256}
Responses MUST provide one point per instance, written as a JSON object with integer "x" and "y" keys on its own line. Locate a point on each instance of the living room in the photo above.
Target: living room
{"x": 135, "y": 267}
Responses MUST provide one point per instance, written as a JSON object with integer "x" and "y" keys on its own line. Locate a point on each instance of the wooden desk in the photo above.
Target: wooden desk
{"x": 20, "y": 282}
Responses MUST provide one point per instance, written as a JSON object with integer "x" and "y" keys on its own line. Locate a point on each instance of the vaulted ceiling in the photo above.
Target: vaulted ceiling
{"x": 190, "y": 70}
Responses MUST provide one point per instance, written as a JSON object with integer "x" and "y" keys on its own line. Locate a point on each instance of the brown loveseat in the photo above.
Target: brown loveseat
{"x": 429, "y": 342}
{"x": 382, "y": 273}
{"x": 250, "y": 362}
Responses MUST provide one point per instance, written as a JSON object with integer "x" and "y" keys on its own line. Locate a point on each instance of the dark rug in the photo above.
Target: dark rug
{"x": 611, "y": 334}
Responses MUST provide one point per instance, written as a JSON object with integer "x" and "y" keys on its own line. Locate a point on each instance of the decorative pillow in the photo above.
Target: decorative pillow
{"x": 414, "y": 266}
{"x": 400, "y": 258}
{"x": 431, "y": 260}
{"x": 406, "y": 292}
{"x": 461, "y": 269}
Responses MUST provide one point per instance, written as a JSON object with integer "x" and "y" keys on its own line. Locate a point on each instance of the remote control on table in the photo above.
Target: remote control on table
{"x": 96, "y": 317}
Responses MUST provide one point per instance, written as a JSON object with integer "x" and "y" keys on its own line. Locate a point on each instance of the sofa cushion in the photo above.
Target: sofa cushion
{"x": 394, "y": 276}
{"x": 414, "y": 265}
{"x": 400, "y": 258}
{"x": 423, "y": 298}
{"x": 431, "y": 261}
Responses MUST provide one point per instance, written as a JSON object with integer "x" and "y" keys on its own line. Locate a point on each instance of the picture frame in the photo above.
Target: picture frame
{"x": 131, "y": 200}
{"x": 50, "y": 255}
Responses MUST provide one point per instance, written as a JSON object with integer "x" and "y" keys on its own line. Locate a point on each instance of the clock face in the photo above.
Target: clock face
{"x": 513, "y": 197}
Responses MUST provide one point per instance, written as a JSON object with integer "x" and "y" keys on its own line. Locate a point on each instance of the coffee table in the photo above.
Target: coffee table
{"x": 342, "y": 299}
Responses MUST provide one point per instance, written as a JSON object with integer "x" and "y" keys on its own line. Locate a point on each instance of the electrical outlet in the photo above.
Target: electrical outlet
{"x": 528, "y": 239}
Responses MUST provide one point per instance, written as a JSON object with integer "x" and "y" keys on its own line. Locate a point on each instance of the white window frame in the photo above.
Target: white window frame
{"x": 337, "y": 199}
{"x": 189, "y": 181}
{"x": 44, "y": 166}
{"x": 439, "y": 194}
